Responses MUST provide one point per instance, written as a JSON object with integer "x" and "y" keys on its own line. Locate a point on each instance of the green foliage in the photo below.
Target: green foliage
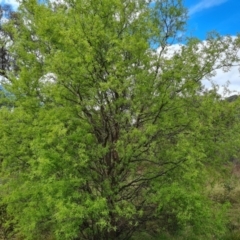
{"x": 109, "y": 137}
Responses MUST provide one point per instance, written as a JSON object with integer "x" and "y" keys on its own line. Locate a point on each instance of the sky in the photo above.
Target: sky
{"x": 222, "y": 16}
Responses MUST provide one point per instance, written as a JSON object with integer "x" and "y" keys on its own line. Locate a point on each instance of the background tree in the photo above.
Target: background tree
{"x": 110, "y": 135}
{"x": 7, "y": 61}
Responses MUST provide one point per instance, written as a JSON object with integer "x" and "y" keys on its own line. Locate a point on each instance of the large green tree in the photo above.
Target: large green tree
{"x": 110, "y": 133}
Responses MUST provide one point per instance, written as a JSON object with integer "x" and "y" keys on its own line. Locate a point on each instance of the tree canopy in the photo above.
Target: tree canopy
{"x": 110, "y": 134}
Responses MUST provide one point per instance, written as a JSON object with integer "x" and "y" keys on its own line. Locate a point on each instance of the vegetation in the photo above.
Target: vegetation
{"x": 109, "y": 135}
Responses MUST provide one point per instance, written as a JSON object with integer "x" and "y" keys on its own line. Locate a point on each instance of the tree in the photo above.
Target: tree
{"x": 110, "y": 134}
{"x": 7, "y": 61}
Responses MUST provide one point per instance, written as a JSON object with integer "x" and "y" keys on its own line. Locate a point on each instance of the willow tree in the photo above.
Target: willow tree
{"x": 110, "y": 133}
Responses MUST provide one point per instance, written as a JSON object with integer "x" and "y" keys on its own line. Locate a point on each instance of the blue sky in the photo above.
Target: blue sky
{"x": 222, "y": 16}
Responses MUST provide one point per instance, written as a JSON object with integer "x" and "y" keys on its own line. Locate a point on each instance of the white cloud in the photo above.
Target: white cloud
{"x": 229, "y": 78}
{"x": 204, "y": 4}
